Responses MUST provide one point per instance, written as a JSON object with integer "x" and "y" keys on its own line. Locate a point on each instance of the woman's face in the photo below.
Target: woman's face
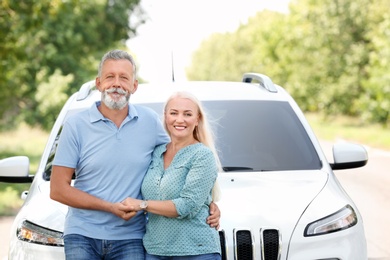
{"x": 181, "y": 118}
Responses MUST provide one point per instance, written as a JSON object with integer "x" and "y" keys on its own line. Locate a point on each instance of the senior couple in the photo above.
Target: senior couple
{"x": 126, "y": 164}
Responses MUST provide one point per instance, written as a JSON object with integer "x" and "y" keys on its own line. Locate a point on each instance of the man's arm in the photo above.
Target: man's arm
{"x": 62, "y": 191}
{"x": 215, "y": 215}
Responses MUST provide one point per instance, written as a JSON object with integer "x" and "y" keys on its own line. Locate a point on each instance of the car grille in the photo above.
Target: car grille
{"x": 244, "y": 244}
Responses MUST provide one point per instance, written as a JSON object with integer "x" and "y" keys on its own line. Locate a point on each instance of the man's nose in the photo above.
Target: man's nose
{"x": 117, "y": 82}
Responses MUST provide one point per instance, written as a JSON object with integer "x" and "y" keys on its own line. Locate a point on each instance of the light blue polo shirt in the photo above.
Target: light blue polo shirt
{"x": 110, "y": 163}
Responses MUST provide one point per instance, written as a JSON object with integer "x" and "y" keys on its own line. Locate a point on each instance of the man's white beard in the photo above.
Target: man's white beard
{"x": 115, "y": 104}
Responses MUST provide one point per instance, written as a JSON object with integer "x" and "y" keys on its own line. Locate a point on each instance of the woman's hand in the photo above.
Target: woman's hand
{"x": 123, "y": 211}
{"x": 133, "y": 204}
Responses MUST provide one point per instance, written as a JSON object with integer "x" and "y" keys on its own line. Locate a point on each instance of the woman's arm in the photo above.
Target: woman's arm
{"x": 167, "y": 208}
{"x": 164, "y": 208}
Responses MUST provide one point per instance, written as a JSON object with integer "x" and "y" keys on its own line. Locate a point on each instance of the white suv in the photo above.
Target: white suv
{"x": 280, "y": 197}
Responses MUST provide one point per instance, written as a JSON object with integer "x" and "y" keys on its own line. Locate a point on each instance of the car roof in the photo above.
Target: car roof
{"x": 203, "y": 90}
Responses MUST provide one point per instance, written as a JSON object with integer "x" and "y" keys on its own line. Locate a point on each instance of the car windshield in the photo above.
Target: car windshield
{"x": 253, "y": 136}
{"x": 259, "y": 136}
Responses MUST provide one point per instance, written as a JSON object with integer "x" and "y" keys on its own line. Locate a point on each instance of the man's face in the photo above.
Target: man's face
{"x": 116, "y": 83}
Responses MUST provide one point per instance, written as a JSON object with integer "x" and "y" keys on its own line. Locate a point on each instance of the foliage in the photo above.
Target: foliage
{"x": 10, "y": 201}
{"x": 352, "y": 129}
{"x": 375, "y": 103}
{"x": 336, "y": 34}
{"x": 26, "y": 141}
{"x": 49, "y": 99}
{"x": 47, "y": 41}
{"x": 211, "y": 59}
{"x": 227, "y": 56}
{"x": 331, "y": 55}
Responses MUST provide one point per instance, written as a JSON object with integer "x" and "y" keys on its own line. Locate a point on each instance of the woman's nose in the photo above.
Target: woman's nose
{"x": 180, "y": 118}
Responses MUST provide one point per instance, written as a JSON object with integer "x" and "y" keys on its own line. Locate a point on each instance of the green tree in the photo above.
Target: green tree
{"x": 47, "y": 39}
{"x": 331, "y": 55}
{"x": 334, "y": 36}
{"x": 375, "y": 103}
{"x": 209, "y": 61}
{"x": 254, "y": 47}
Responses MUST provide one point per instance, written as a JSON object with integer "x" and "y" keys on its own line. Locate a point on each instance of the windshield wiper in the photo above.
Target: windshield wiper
{"x": 236, "y": 168}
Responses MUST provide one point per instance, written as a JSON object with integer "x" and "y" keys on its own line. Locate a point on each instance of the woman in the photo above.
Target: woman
{"x": 179, "y": 184}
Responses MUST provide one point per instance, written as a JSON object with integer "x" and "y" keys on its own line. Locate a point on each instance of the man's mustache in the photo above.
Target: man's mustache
{"x": 117, "y": 90}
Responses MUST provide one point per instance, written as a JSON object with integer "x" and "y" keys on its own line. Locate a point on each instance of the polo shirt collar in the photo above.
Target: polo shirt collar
{"x": 95, "y": 115}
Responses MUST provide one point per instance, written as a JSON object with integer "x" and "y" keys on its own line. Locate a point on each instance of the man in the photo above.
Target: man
{"x": 109, "y": 148}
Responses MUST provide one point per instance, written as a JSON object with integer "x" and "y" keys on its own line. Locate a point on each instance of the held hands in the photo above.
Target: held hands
{"x": 123, "y": 211}
{"x": 126, "y": 209}
{"x": 129, "y": 207}
{"x": 134, "y": 204}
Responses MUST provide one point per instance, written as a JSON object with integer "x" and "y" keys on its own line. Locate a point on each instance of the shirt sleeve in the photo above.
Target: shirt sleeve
{"x": 162, "y": 136}
{"x": 67, "y": 153}
{"x": 198, "y": 185}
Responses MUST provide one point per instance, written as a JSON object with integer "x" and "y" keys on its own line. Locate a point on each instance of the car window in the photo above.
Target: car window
{"x": 48, "y": 167}
{"x": 252, "y": 136}
{"x": 261, "y": 136}
{"x": 47, "y": 172}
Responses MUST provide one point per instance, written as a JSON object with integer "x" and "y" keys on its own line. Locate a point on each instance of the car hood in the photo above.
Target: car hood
{"x": 276, "y": 200}
{"x": 42, "y": 210}
{"x": 250, "y": 200}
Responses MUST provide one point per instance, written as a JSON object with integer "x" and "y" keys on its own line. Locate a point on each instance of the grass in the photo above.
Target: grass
{"x": 22, "y": 141}
{"x": 10, "y": 201}
{"x": 31, "y": 141}
{"x": 350, "y": 129}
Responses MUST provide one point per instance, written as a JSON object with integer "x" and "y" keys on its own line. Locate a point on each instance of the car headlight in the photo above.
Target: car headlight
{"x": 342, "y": 219}
{"x": 32, "y": 233}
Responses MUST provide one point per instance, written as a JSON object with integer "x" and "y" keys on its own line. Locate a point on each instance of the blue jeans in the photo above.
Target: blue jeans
{"x": 214, "y": 256}
{"x": 79, "y": 247}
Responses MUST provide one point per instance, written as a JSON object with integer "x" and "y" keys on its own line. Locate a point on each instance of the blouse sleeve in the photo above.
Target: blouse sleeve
{"x": 199, "y": 182}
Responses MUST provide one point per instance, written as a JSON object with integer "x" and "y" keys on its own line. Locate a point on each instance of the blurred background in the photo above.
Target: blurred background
{"x": 333, "y": 56}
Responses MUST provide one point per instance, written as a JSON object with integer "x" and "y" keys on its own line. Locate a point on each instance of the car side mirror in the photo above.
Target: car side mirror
{"x": 348, "y": 156}
{"x": 15, "y": 170}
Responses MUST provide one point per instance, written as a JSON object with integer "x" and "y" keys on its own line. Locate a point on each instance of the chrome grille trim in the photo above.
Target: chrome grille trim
{"x": 270, "y": 244}
{"x": 224, "y": 244}
{"x": 244, "y": 246}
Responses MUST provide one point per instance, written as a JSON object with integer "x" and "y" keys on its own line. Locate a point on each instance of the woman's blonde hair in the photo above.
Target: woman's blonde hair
{"x": 202, "y": 132}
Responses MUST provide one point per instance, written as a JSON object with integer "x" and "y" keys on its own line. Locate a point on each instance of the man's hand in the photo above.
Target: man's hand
{"x": 133, "y": 204}
{"x": 123, "y": 211}
{"x": 215, "y": 215}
